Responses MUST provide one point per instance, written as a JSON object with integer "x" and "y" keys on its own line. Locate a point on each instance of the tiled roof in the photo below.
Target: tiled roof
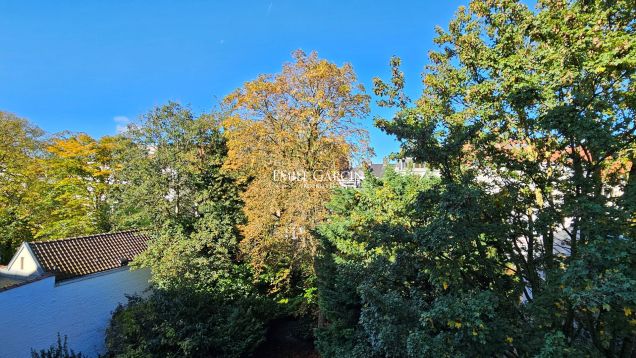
{"x": 9, "y": 283}
{"x": 78, "y": 256}
{"x": 377, "y": 169}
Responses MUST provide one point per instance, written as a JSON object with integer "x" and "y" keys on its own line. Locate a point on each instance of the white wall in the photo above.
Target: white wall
{"x": 33, "y": 314}
{"x": 22, "y": 263}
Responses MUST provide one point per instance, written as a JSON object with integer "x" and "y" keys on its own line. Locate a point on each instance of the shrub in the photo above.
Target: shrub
{"x": 192, "y": 324}
{"x": 58, "y": 350}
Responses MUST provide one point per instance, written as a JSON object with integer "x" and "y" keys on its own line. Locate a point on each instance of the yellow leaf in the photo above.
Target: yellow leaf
{"x": 445, "y": 285}
{"x": 628, "y": 311}
{"x": 539, "y": 197}
{"x": 509, "y": 340}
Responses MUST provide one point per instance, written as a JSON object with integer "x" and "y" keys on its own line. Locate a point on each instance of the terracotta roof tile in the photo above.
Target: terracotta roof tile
{"x": 78, "y": 256}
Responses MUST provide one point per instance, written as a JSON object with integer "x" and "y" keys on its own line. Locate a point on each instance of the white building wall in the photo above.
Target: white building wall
{"x": 22, "y": 264}
{"x": 31, "y": 315}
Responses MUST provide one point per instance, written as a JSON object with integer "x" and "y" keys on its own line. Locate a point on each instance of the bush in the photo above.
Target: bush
{"x": 59, "y": 350}
{"x": 192, "y": 324}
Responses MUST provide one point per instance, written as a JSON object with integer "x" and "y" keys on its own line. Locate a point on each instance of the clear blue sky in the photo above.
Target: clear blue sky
{"x": 85, "y": 66}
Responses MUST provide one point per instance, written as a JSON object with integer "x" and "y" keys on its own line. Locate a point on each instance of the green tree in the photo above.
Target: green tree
{"x": 174, "y": 323}
{"x": 20, "y": 149}
{"x": 400, "y": 274}
{"x": 368, "y": 229}
{"x": 171, "y": 183}
{"x": 529, "y": 118}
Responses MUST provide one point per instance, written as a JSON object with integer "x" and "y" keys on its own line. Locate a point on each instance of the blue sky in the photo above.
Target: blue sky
{"x": 88, "y": 66}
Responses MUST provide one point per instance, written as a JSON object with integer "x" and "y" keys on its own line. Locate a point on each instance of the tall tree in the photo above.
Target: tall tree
{"x": 533, "y": 111}
{"x": 370, "y": 267}
{"x": 286, "y": 132}
{"x": 20, "y": 148}
{"x": 75, "y": 186}
{"x": 170, "y": 182}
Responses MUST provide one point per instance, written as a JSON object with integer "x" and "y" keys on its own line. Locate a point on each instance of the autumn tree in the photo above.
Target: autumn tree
{"x": 75, "y": 186}
{"x": 20, "y": 148}
{"x": 286, "y": 132}
{"x": 52, "y": 187}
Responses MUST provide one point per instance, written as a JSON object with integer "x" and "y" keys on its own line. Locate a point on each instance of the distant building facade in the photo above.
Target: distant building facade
{"x": 355, "y": 176}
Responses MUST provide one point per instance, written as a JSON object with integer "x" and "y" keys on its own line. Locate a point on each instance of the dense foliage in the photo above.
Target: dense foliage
{"x": 409, "y": 269}
{"x": 58, "y": 350}
{"x": 529, "y": 119}
{"x": 20, "y": 144}
{"x": 75, "y": 186}
{"x": 368, "y": 248}
{"x": 519, "y": 242}
{"x": 174, "y": 323}
{"x": 303, "y": 120}
{"x": 52, "y": 186}
{"x": 203, "y": 303}
{"x": 173, "y": 183}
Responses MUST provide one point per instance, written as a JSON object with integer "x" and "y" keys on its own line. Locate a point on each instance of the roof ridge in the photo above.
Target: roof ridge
{"x": 85, "y": 236}
{"x": 79, "y": 256}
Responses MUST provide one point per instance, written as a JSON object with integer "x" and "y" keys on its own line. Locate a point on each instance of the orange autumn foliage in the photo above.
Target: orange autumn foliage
{"x": 303, "y": 119}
